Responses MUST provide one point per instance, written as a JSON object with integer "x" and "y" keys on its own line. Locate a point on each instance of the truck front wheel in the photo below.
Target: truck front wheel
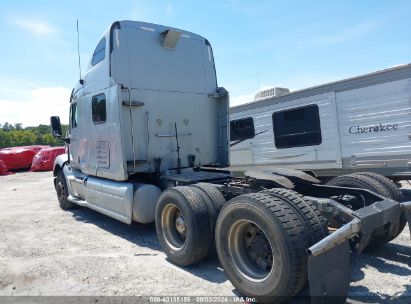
{"x": 62, "y": 192}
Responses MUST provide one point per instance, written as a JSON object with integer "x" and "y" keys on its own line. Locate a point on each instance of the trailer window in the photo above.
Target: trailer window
{"x": 297, "y": 127}
{"x": 242, "y": 129}
{"x": 73, "y": 115}
{"x": 99, "y": 52}
{"x": 98, "y": 109}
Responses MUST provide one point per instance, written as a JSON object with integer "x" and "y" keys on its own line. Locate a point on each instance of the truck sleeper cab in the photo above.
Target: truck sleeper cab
{"x": 145, "y": 81}
{"x": 149, "y": 142}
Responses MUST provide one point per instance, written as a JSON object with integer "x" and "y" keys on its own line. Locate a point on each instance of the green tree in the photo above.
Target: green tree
{"x": 13, "y": 136}
{"x": 22, "y": 138}
{"x": 7, "y": 127}
{"x": 5, "y": 140}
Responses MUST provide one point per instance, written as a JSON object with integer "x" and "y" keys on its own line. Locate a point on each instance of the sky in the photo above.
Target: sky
{"x": 257, "y": 44}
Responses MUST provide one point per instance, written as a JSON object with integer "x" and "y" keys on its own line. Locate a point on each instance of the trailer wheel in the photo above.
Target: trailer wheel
{"x": 359, "y": 181}
{"x": 366, "y": 181}
{"x": 182, "y": 224}
{"x": 396, "y": 195}
{"x": 390, "y": 187}
{"x": 261, "y": 246}
{"x": 316, "y": 224}
{"x": 214, "y": 201}
{"x": 62, "y": 192}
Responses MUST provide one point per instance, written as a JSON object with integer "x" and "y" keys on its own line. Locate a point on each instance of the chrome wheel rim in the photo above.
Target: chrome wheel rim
{"x": 251, "y": 250}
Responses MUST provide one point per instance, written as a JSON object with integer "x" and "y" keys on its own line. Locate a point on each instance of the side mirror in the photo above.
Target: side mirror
{"x": 56, "y": 126}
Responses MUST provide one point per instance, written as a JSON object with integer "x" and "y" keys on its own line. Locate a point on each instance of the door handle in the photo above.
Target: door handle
{"x": 132, "y": 103}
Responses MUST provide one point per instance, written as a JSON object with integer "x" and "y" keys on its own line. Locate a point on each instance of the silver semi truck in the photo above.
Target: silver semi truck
{"x": 149, "y": 141}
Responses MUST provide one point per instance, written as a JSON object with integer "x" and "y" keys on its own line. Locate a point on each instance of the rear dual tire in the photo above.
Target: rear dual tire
{"x": 214, "y": 201}
{"x": 261, "y": 241}
{"x": 182, "y": 225}
{"x": 309, "y": 214}
{"x": 185, "y": 222}
{"x": 261, "y": 238}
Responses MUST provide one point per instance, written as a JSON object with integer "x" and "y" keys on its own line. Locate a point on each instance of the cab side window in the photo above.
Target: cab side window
{"x": 99, "y": 52}
{"x": 98, "y": 108}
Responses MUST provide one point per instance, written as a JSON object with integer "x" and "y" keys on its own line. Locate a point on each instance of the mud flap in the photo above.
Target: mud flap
{"x": 329, "y": 275}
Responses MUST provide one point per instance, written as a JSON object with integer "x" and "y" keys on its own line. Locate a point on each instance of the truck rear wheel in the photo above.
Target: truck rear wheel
{"x": 62, "y": 192}
{"x": 261, "y": 246}
{"x": 316, "y": 224}
{"x": 215, "y": 195}
{"x": 214, "y": 201}
{"x": 183, "y": 226}
{"x": 377, "y": 184}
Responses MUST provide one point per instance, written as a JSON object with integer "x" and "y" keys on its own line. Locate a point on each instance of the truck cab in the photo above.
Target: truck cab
{"x": 144, "y": 85}
{"x": 148, "y": 107}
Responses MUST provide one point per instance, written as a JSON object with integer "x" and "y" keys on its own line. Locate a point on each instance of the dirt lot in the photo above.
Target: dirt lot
{"x": 46, "y": 251}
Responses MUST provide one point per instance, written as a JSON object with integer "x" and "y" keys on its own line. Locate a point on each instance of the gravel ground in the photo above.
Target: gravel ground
{"x": 46, "y": 251}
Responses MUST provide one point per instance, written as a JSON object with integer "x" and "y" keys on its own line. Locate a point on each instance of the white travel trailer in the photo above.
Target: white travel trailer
{"x": 352, "y": 125}
{"x": 148, "y": 136}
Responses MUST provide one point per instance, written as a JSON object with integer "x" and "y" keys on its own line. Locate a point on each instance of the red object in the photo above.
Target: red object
{"x": 3, "y": 168}
{"x": 19, "y": 157}
{"x": 44, "y": 159}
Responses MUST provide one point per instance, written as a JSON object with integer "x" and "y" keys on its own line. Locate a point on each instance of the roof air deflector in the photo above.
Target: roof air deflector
{"x": 171, "y": 38}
